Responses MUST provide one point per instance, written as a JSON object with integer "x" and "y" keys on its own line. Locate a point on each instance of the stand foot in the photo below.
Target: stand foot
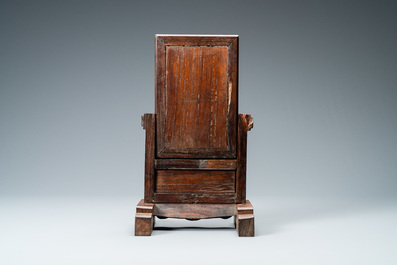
{"x": 244, "y": 220}
{"x": 146, "y": 212}
{"x": 144, "y": 219}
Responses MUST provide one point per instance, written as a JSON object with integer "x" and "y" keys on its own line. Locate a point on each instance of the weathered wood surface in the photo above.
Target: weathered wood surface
{"x": 194, "y": 211}
{"x": 245, "y": 220}
{"x": 149, "y": 124}
{"x": 144, "y": 219}
{"x": 195, "y": 181}
{"x": 245, "y": 123}
{"x": 196, "y": 143}
{"x": 218, "y": 164}
{"x": 196, "y": 103}
{"x": 245, "y": 208}
{"x": 196, "y": 40}
{"x": 196, "y": 95}
{"x": 245, "y": 225}
{"x": 161, "y": 197}
{"x": 145, "y": 213}
{"x": 144, "y": 207}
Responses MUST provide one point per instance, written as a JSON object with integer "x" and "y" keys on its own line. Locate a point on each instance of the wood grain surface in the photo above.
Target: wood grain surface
{"x": 196, "y": 142}
{"x": 196, "y": 96}
{"x": 195, "y": 181}
{"x": 213, "y": 164}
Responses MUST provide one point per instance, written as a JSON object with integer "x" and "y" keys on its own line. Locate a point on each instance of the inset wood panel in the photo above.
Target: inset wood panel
{"x": 196, "y": 102}
{"x": 195, "y": 181}
{"x": 181, "y": 197}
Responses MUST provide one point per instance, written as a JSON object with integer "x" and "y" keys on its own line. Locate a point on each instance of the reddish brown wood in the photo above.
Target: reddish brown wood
{"x": 195, "y": 181}
{"x": 144, "y": 207}
{"x": 197, "y": 40}
{"x": 196, "y": 143}
{"x": 194, "y": 211}
{"x": 196, "y": 98}
{"x": 245, "y": 123}
{"x": 245, "y": 225}
{"x": 160, "y": 85}
{"x": 194, "y": 197}
{"x": 145, "y": 212}
{"x": 149, "y": 123}
{"x": 233, "y": 93}
{"x": 245, "y": 208}
{"x": 144, "y": 219}
{"x": 245, "y": 220}
{"x": 218, "y": 164}
{"x": 196, "y": 102}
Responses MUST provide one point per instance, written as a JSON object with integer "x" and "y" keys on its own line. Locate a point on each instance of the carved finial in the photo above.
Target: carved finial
{"x": 143, "y": 121}
{"x": 248, "y": 121}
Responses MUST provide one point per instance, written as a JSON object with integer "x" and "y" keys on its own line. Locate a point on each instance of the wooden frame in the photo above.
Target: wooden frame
{"x": 196, "y": 172}
{"x": 164, "y": 42}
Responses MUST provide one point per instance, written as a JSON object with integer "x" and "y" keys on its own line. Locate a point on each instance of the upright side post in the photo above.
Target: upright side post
{"x": 149, "y": 124}
{"x": 245, "y": 124}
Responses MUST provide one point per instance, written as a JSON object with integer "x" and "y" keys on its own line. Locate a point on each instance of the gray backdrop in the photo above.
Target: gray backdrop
{"x": 319, "y": 78}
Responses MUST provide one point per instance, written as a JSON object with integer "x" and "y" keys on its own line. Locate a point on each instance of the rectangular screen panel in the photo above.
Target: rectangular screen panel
{"x": 196, "y": 104}
{"x": 196, "y": 97}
